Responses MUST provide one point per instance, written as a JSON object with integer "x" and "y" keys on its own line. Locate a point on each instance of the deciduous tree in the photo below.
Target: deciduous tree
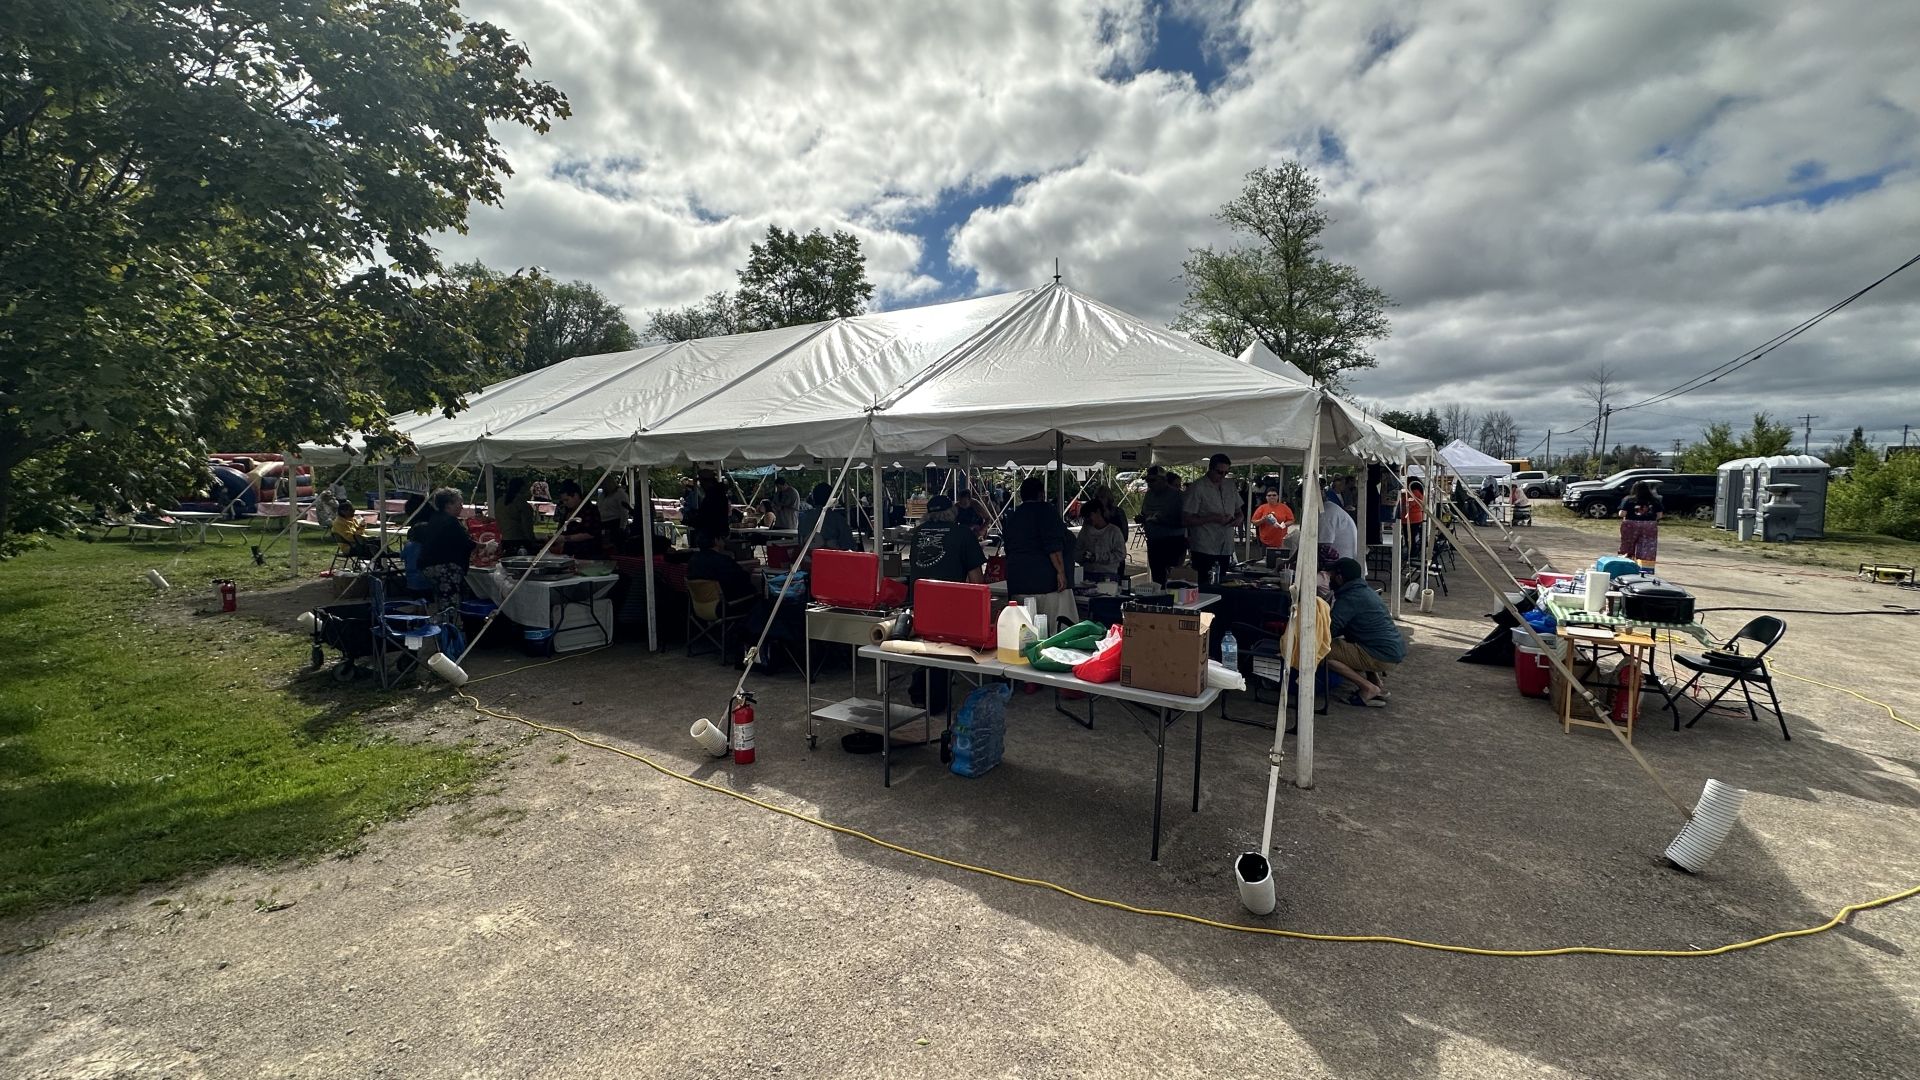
{"x": 791, "y": 279}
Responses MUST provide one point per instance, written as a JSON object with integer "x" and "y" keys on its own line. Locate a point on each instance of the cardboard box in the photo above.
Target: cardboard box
{"x": 1165, "y": 652}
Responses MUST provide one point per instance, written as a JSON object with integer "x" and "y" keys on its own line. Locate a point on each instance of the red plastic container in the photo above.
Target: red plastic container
{"x": 848, "y": 579}
{"x": 954, "y": 612}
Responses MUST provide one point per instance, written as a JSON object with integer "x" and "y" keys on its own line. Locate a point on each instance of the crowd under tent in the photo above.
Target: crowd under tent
{"x": 1042, "y": 375}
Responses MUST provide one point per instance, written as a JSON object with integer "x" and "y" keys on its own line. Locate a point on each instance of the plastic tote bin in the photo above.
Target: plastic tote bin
{"x": 1532, "y": 670}
{"x": 537, "y": 641}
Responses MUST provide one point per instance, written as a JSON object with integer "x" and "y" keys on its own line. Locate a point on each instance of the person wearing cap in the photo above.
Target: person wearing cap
{"x": 1364, "y": 637}
{"x": 1210, "y": 511}
{"x": 942, "y": 548}
{"x": 1273, "y": 523}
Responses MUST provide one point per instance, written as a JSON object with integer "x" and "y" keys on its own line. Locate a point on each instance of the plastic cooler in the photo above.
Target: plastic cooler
{"x": 1532, "y": 671}
{"x": 848, "y": 579}
{"x": 954, "y": 612}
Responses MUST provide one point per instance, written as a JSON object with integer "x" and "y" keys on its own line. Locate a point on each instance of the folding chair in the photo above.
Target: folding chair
{"x": 710, "y": 617}
{"x": 1738, "y": 669}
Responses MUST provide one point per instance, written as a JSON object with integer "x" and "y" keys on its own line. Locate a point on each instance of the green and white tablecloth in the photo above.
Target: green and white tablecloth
{"x": 1568, "y": 610}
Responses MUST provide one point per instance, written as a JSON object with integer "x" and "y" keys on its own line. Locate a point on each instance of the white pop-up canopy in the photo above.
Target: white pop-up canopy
{"x": 1464, "y": 460}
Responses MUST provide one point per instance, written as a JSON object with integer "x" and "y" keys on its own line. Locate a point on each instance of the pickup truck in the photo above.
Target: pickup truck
{"x": 1537, "y": 485}
{"x": 1682, "y": 494}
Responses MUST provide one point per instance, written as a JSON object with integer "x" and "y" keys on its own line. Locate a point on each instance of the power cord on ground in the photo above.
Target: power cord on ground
{"x": 1839, "y": 918}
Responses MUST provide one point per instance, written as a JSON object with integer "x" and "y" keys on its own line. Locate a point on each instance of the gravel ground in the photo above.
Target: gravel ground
{"x": 588, "y": 916}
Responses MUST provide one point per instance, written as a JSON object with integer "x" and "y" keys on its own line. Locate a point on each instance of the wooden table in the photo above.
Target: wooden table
{"x": 1638, "y": 649}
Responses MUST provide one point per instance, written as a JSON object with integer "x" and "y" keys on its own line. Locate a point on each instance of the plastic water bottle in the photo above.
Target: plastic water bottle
{"x": 1229, "y": 652}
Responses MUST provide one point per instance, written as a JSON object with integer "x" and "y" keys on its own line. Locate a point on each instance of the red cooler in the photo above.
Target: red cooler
{"x": 1532, "y": 670}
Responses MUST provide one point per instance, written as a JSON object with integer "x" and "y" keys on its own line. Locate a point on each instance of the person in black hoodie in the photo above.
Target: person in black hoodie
{"x": 445, "y": 547}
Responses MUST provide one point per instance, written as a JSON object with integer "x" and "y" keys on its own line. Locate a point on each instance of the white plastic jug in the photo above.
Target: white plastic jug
{"x": 1015, "y": 629}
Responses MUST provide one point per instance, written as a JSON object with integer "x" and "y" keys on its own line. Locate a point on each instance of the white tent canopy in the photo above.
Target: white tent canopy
{"x": 999, "y": 376}
{"x": 1263, "y": 358}
{"x": 1464, "y": 460}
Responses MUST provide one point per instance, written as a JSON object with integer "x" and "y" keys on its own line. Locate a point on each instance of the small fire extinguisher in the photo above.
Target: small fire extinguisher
{"x": 229, "y": 594}
{"x": 742, "y": 722}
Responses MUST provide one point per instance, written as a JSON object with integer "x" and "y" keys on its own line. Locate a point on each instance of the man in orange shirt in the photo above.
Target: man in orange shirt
{"x": 1273, "y": 523}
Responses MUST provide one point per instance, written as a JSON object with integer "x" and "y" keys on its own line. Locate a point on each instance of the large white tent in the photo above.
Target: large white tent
{"x": 1000, "y": 376}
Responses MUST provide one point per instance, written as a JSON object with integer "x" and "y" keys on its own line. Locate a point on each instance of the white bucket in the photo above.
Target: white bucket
{"x": 306, "y": 621}
{"x": 1713, "y": 818}
{"x": 442, "y": 665}
{"x": 710, "y": 738}
{"x": 1255, "y": 876}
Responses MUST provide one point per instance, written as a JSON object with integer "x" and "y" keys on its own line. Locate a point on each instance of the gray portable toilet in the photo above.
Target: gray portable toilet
{"x": 1729, "y": 494}
{"x": 1805, "y": 470}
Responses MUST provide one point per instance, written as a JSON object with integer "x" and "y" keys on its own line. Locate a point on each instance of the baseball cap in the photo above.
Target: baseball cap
{"x": 939, "y": 503}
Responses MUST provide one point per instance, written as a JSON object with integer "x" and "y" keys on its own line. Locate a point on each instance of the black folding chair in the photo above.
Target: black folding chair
{"x": 1739, "y": 669}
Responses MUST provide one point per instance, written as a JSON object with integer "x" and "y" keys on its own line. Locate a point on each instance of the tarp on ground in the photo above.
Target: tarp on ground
{"x": 996, "y": 376}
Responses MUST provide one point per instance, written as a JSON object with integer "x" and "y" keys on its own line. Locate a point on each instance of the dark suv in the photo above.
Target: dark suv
{"x": 1682, "y": 494}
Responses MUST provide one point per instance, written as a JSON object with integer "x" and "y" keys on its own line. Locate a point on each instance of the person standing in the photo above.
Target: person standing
{"x": 1273, "y": 523}
{"x": 942, "y": 549}
{"x": 1036, "y": 569}
{"x": 1102, "y": 546}
{"x": 967, "y": 513}
{"x": 1161, "y": 523}
{"x": 516, "y": 520}
{"x": 786, "y": 504}
{"x": 1640, "y": 514}
{"x": 835, "y": 533}
{"x": 714, "y": 515}
{"x": 1416, "y": 514}
{"x": 445, "y": 548}
{"x": 1209, "y": 512}
{"x": 1337, "y": 527}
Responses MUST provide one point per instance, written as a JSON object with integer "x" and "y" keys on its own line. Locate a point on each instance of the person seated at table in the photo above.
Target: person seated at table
{"x": 351, "y": 533}
{"x": 1273, "y": 523}
{"x": 711, "y": 562}
{"x": 1102, "y": 547}
{"x": 614, "y": 506}
{"x": 1364, "y": 637}
{"x": 579, "y": 538}
{"x": 1522, "y": 503}
{"x": 966, "y": 513}
{"x": 765, "y": 517}
{"x": 516, "y": 520}
{"x": 445, "y": 548}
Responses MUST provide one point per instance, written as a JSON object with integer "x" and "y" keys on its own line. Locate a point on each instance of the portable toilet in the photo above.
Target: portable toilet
{"x": 1729, "y": 494}
{"x": 1810, "y": 473}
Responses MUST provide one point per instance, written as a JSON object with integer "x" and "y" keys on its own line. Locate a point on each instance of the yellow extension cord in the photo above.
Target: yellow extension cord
{"x": 1837, "y": 920}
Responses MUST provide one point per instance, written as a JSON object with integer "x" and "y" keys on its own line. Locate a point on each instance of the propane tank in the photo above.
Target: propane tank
{"x": 742, "y": 723}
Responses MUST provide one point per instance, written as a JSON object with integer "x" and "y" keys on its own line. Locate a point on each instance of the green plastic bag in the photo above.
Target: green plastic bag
{"x": 1084, "y": 636}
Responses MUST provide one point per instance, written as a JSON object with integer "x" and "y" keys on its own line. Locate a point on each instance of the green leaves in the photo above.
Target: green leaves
{"x": 1315, "y": 313}
{"x": 219, "y": 217}
{"x": 791, "y": 279}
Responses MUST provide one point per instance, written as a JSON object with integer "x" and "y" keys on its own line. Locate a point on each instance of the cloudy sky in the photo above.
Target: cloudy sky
{"x": 1543, "y": 188}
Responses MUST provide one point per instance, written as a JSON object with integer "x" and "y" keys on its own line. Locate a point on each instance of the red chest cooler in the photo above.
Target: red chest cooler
{"x": 848, "y": 579}
{"x": 954, "y": 612}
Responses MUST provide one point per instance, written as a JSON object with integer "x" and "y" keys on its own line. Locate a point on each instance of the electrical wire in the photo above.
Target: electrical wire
{"x": 1838, "y": 919}
{"x": 1741, "y": 360}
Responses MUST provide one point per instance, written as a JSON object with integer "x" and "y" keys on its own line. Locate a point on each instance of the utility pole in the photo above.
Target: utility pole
{"x": 1547, "y": 462}
{"x": 1806, "y": 439}
{"x": 1606, "y": 421}
{"x": 1599, "y": 409}
{"x": 1903, "y": 433}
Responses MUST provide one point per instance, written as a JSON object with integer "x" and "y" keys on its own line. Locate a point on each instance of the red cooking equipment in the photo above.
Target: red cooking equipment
{"x": 846, "y": 579}
{"x": 954, "y": 612}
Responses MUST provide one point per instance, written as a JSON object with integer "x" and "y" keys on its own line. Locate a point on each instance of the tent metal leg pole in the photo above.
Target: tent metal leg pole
{"x": 288, "y": 470}
{"x": 1393, "y": 542}
{"x": 646, "y": 556}
{"x": 1306, "y": 578}
{"x": 1060, "y": 467}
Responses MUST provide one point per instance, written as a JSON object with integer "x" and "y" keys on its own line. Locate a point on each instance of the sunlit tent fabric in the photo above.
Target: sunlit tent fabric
{"x": 1464, "y": 460}
{"x": 1389, "y": 442}
{"x": 1263, "y": 358}
{"x": 995, "y": 376}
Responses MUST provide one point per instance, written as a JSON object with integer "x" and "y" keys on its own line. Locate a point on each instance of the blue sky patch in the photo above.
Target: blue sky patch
{"x": 1184, "y": 44}
{"x": 935, "y": 229}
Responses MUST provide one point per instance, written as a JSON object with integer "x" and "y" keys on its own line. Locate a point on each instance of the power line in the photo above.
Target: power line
{"x": 1721, "y": 371}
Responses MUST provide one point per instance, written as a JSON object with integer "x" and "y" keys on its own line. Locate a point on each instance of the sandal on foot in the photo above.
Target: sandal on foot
{"x": 1367, "y": 703}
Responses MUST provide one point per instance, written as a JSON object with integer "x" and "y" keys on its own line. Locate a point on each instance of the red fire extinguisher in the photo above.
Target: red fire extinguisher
{"x": 742, "y": 720}
{"x": 229, "y": 595}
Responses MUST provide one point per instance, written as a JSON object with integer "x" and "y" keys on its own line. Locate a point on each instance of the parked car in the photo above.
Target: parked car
{"x": 1682, "y": 494}
{"x": 1570, "y": 497}
{"x": 1537, "y": 485}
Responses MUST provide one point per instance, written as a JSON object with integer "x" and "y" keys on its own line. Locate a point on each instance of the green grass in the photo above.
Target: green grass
{"x": 1837, "y": 551}
{"x": 140, "y": 745}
